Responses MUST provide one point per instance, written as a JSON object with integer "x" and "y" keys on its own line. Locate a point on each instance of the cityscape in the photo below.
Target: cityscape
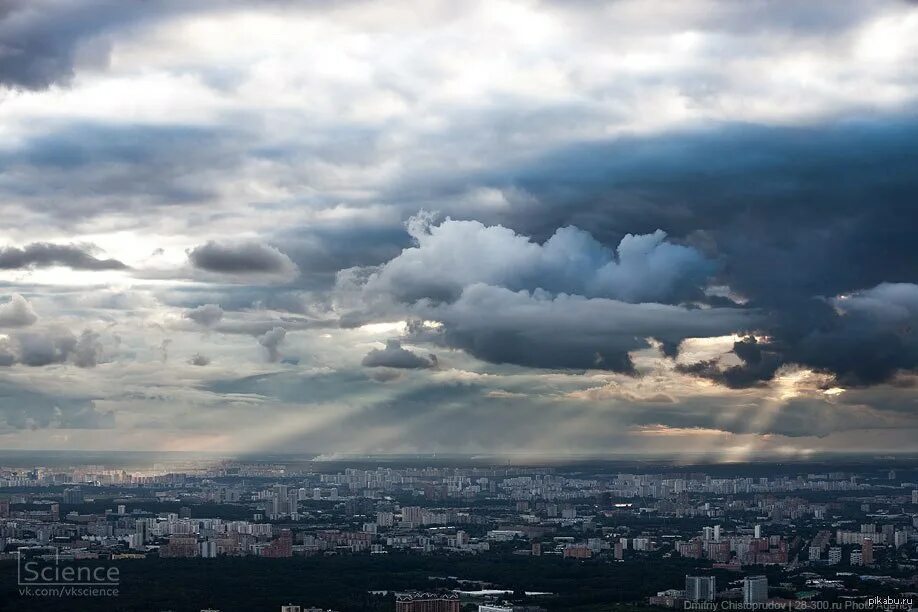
{"x": 776, "y": 535}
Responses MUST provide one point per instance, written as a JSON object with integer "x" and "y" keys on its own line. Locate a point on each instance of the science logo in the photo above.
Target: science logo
{"x": 43, "y": 572}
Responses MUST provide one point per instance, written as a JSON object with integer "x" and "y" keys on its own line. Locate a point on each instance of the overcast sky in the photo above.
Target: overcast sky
{"x": 482, "y": 227}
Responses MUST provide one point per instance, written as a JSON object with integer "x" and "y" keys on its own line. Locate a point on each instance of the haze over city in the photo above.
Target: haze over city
{"x": 502, "y": 228}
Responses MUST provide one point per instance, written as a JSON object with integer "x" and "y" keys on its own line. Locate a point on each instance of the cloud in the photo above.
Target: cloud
{"x": 115, "y": 169}
{"x": 23, "y": 408}
{"x": 394, "y": 356}
{"x": 199, "y": 360}
{"x": 569, "y": 302}
{"x": 564, "y": 331}
{"x": 759, "y": 364}
{"x": 45, "y": 42}
{"x": 88, "y": 350}
{"x": 272, "y": 340}
{"x": 456, "y": 254}
{"x": 207, "y": 315}
{"x": 865, "y": 338}
{"x": 249, "y": 259}
{"x": 41, "y": 42}
{"x": 7, "y": 355}
{"x": 738, "y": 177}
{"x": 43, "y": 255}
{"x": 18, "y": 312}
{"x": 45, "y": 348}
{"x": 759, "y": 198}
{"x": 55, "y": 346}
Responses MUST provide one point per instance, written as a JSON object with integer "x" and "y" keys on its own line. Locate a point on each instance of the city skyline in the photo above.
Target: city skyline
{"x": 460, "y": 535}
{"x": 504, "y": 228}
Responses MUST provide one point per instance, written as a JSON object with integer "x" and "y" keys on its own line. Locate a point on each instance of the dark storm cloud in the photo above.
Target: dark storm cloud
{"x": 782, "y": 206}
{"x": 863, "y": 339}
{"x": 793, "y": 216}
{"x": 240, "y": 259}
{"x": 759, "y": 365}
{"x": 394, "y": 356}
{"x": 41, "y": 41}
{"x": 43, "y": 255}
{"x": 564, "y": 331}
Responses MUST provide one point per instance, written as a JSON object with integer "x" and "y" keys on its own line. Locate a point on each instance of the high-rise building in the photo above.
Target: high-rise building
{"x": 412, "y": 514}
{"x": 73, "y": 495}
{"x": 867, "y": 552}
{"x": 717, "y": 533}
{"x": 426, "y": 602}
{"x": 700, "y": 588}
{"x": 915, "y": 496}
{"x": 758, "y": 531}
{"x": 755, "y": 589}
{"x": 141, "y": 529}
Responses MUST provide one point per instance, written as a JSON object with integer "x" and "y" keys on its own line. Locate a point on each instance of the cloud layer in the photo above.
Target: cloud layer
{"x": 423, "y": 226}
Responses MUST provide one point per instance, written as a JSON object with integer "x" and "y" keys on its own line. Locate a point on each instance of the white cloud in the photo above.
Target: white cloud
{"x": 17, "y": 312}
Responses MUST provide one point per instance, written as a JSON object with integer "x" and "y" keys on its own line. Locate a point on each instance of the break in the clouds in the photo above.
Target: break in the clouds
{"x": 626, "y": 223}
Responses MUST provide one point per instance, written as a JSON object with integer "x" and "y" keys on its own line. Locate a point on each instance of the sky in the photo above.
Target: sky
{"x": 488, "y": 227}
